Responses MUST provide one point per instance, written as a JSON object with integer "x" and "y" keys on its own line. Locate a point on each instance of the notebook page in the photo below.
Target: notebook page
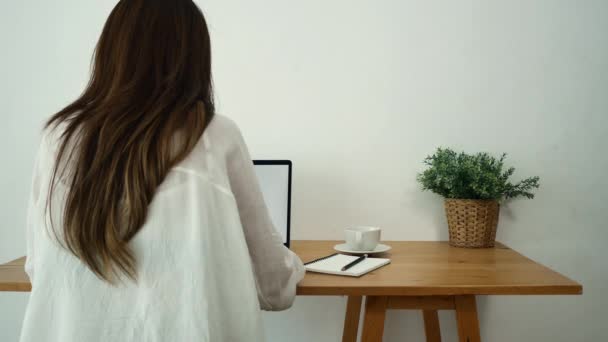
{"x": 334, "y": 265}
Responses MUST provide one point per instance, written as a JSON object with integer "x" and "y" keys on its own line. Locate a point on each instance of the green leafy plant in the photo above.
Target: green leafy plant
{"x": 479, "y": 176}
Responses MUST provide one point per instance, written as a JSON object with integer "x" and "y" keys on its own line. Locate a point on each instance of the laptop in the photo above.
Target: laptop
{"x": 275, "y": 181}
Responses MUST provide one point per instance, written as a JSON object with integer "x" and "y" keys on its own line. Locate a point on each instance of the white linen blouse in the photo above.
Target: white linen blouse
{"x": 208, "y": 257}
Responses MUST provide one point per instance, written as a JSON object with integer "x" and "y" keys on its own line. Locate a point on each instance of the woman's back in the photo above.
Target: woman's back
{"x": 206, "y": 245}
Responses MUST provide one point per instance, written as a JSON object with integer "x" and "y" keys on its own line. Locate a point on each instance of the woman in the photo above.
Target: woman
{"x": 146, "y": 222}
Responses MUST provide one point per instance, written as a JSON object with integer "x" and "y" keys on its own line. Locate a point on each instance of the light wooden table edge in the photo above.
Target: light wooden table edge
{"x": 15, "y": 287}
{"x": 447, "y": 291}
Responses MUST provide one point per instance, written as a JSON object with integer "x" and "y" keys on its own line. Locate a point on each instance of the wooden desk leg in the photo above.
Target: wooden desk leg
{"x": 431, "y": 326}
{"x": 466, "y": 317}
{"x": 351, "y": 320}
{"x": 373, "y": 324}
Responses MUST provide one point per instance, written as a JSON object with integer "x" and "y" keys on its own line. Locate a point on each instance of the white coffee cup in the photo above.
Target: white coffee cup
{"x": 362, "y": 238}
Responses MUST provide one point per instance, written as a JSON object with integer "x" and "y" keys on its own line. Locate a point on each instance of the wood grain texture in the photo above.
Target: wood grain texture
{"x": 431, "y": 326}
{"x": 421, "y": 302}
{"x": 466, "y": 319}
{"x": 373, "y": 322}
{"x": 425, "y": 268}
{"x": 351, "y": 319}
{"x": 13, "y": 277}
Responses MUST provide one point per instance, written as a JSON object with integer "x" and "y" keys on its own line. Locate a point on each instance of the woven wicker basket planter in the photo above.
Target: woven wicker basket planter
{"x": 472, "y": 223}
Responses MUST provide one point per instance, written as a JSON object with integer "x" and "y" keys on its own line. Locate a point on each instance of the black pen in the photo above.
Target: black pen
{"x": 323, "y": 258}
{"x": 358, "y": 260}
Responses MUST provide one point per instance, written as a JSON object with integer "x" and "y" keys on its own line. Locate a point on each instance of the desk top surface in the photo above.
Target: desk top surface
{"x": 423, "y": 268}
{"x": 416, "y": 269}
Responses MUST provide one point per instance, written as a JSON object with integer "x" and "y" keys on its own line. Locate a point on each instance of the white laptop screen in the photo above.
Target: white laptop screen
{"x": 275, "y": 181}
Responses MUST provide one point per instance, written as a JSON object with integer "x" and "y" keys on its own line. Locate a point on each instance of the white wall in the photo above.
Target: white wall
{"x": 356, "y": 93}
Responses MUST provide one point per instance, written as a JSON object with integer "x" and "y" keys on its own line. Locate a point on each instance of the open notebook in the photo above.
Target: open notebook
{"x": 333, "y": 265}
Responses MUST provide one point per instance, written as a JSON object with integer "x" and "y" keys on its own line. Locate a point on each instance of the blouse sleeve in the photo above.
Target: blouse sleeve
{"x": 32, "y": 214}
{"x": 277, "y": 269}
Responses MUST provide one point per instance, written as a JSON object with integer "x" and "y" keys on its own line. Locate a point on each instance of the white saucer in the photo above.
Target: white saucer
{"x": 345, "y": 249}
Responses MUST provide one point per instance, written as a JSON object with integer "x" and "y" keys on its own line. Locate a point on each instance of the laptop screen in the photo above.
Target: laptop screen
{"x": 275, "y": 181}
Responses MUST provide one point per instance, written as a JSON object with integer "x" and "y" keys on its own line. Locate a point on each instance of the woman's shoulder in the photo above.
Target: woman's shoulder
{"x": 223, "y": 125}
{"x": 223, "y": 131}
{"x": 50, "y": 138}
{"x": 220, "y": 142}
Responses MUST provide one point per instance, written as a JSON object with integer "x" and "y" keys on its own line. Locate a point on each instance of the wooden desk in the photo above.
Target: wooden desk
{"x": 430, "y": 276}
{"x": 13, "y": 277}
{"x": 427, "y": 276}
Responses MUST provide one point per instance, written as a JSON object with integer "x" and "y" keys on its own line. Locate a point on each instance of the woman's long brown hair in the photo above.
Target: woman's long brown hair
{"x": 147, "y": 104}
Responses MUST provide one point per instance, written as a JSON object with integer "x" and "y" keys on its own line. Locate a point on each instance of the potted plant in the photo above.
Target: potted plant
{"x": 473, "y": 186}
